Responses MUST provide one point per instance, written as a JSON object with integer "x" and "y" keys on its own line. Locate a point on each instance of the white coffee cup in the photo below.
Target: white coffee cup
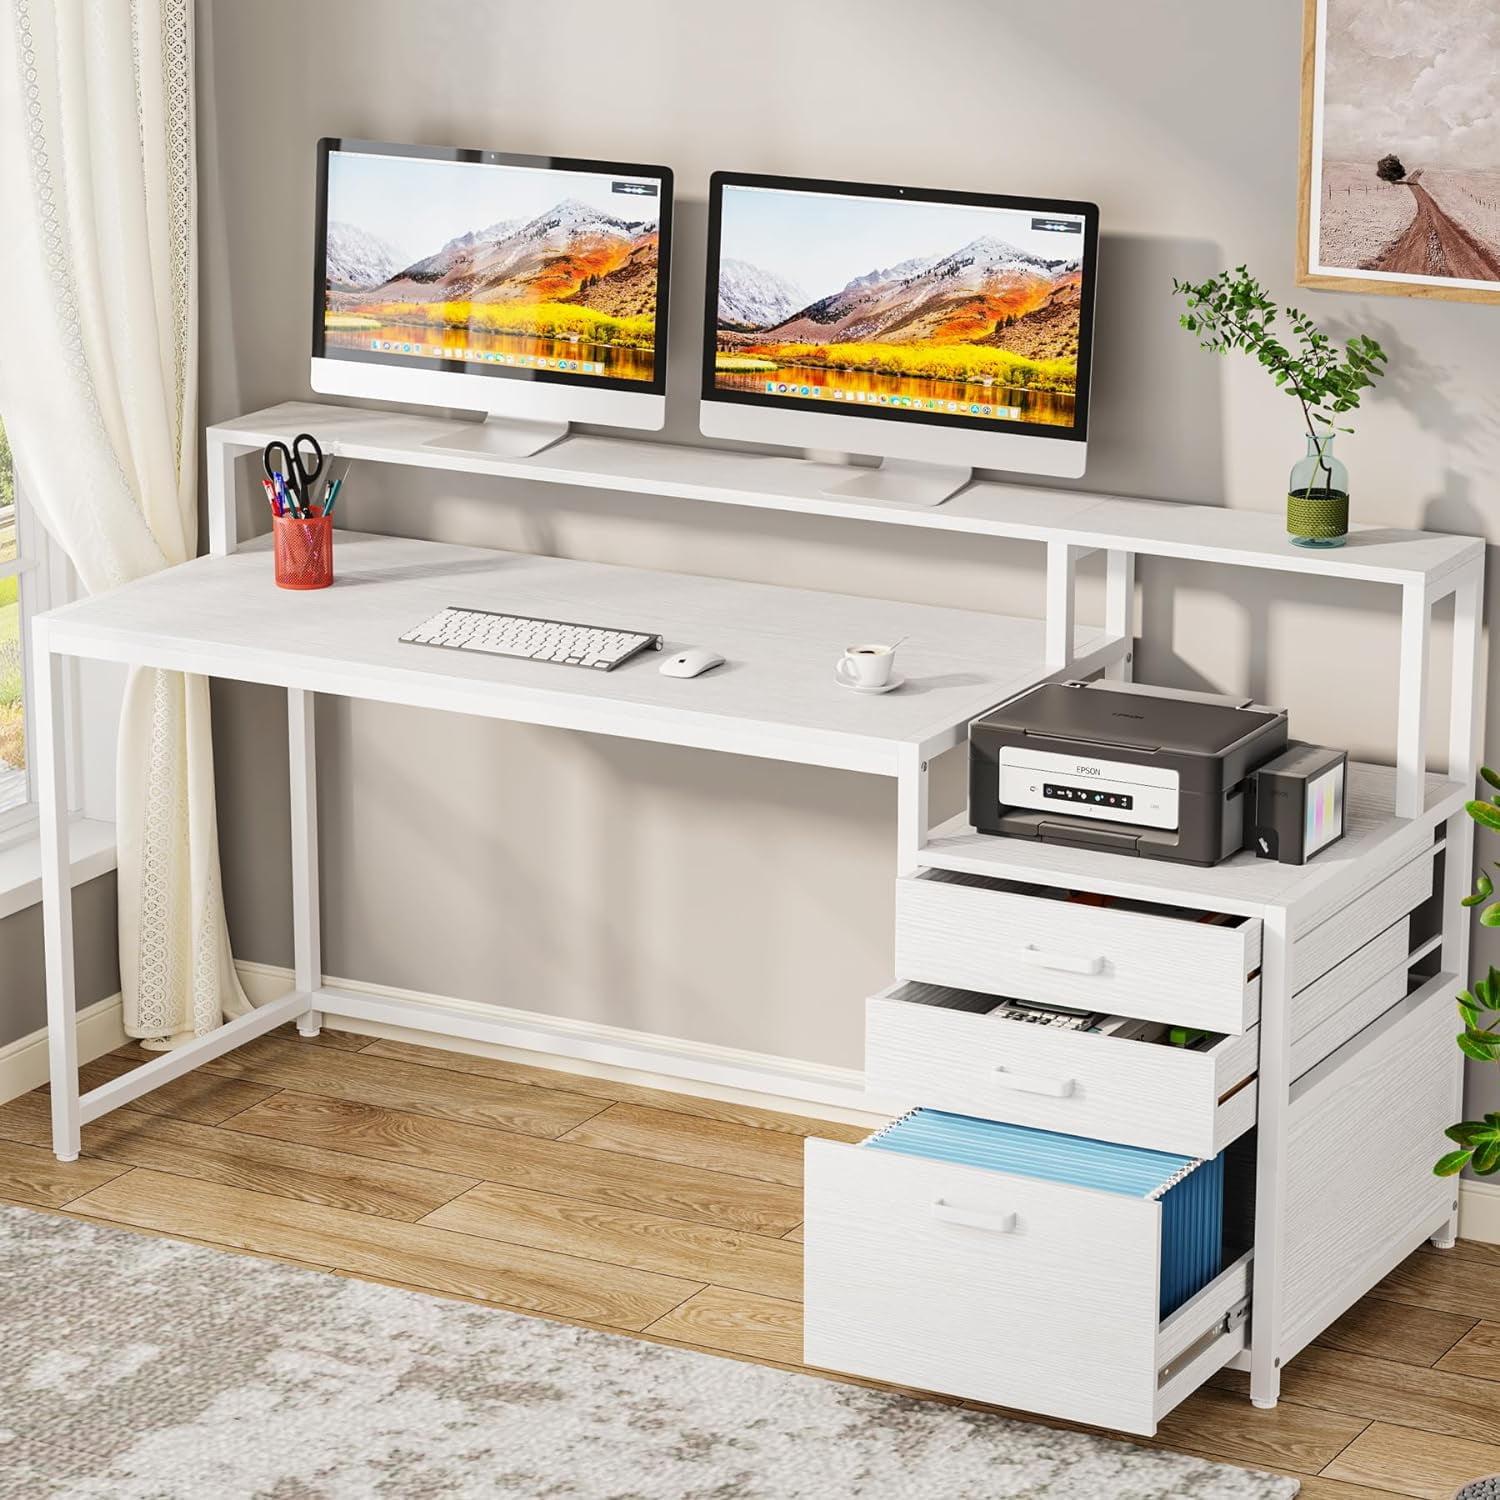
{"x": 867, "y": 666}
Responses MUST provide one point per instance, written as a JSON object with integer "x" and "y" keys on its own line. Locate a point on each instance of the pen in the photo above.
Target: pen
{"x": 271, "y": 499}
{"x": 331, "y": 495}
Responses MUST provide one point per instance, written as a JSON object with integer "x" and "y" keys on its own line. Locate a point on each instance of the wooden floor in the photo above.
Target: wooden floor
{"x": 676, "y": 1218}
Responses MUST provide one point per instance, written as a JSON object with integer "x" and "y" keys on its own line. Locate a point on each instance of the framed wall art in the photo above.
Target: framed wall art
{"x": 1400, "y": 170}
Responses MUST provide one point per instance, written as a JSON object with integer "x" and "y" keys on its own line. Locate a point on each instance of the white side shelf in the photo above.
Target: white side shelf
{"x": 1375, "y": 841}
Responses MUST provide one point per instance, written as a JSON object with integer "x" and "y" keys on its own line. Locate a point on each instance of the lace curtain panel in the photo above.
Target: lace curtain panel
{"x": 98, "y": 383}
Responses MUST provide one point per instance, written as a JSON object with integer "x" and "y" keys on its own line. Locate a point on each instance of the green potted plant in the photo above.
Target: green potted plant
{"x": 1477, "y": 1142}
{"x": 1232, "y": 311}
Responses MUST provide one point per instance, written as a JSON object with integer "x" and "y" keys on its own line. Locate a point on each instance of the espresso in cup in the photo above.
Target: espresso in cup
{"x": 867, "y": 666}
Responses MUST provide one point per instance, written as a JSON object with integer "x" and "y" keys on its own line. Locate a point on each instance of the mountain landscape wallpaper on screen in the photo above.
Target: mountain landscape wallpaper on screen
{"x": 573, "y": 287}
{"x": 982, "y": 325}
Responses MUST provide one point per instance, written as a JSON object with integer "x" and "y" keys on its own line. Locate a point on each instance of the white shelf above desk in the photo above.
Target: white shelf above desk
{"x": 775, "y": 697}
{"x": 1204, "y": 533}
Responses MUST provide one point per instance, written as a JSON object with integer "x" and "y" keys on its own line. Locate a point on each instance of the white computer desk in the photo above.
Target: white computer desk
{"x": 775, "y": 697}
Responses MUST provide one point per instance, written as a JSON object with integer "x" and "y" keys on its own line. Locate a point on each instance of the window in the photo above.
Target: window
{"x": 15, "y": 786}
{"x": 35, "y": 576}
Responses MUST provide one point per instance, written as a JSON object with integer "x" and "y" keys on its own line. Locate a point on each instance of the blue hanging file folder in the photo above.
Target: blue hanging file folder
{"x": 1190, "y": 1191}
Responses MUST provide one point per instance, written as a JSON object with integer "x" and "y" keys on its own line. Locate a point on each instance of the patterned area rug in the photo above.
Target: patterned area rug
{"x": 137, "y": 1367}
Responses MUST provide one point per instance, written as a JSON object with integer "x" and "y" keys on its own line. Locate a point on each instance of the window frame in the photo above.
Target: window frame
{"x": 26, "y": 568}
{"x": 46, "y": 580}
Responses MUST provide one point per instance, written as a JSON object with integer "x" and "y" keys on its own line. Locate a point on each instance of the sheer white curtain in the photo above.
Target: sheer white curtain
{"x": 98, "y": 383}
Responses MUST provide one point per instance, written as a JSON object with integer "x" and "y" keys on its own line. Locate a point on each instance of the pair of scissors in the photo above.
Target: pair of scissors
{"x": 298, "y": 464}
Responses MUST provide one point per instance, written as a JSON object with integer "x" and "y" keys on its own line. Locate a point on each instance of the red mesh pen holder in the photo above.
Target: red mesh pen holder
{"x": 304, "y": 552}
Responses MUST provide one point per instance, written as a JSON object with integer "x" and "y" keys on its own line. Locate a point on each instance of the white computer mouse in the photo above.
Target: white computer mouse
{"x": 693, "y": 662}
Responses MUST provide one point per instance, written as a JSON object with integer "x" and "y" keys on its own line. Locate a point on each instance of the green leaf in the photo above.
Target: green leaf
{"x": 1477, "y": 1050}
{"x": 1451, "y": 1164}
{"x": 1490, "y": 775}
{"x": 1470, "y": 1133}
{"x": 1484, "y": 813}
{"x": 1487, "y": 1158}
{"x": 1490, "y": 916}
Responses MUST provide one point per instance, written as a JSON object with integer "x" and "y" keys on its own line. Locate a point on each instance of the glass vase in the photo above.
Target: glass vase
{"x": 1317, "y": 496}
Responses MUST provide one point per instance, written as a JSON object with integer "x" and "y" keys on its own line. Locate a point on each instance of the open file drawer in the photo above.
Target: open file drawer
{"x": 931, "y": 1045}
{"x": 1001, "y": 1288}
{"x": 1128, "y": 959}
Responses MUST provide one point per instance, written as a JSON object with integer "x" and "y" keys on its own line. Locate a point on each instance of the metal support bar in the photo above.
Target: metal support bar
{"x": 49, "y": 727}
{"x": 911, "y": 806}
{"x": 1411, "y": 711}
{"x": 1119, "y": 610}
{"x": 169, "y": 1065}
{"x": 1273, "y": 1102}
{"x": 306, "y": 924}
{"x": 1458, "y": 876}
{"x": 1062, "y": 571}
{"x": 1463, "y": 744}
{"x": 1458, "y": 861}
{"x": 223, "y": 512}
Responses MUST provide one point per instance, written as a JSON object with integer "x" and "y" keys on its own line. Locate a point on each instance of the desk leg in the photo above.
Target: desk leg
{"x": 1458, "y": 863}
{"x": 306, "y": 921}
{"x": 911, "y": 806}
{"x": 50, "y": 731}
{"x": 1273, "y": 1104}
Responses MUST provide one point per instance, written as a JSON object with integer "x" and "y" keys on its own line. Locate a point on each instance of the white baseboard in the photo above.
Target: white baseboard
{"x": 1479, "y": 1211}
{"x": 602, "y": 1051}
{"x": 23, "y": 1062}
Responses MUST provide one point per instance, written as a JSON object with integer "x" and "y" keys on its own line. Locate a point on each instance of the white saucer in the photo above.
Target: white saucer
{"x": 885, "y": 687}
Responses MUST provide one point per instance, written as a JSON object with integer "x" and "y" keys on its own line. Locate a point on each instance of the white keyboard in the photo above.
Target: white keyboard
{"x": 569, "y": 645}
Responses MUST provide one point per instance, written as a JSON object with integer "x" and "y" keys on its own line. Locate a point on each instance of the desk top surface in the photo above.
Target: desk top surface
{"x": 775, "y": 695}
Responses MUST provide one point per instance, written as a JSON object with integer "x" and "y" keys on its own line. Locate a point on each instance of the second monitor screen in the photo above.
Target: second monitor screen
{"x": 533, "y": 271}
{"x": 898, "y": 306}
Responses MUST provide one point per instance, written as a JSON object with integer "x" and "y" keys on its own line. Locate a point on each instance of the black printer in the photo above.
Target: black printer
{"x": 1111, "y": 765}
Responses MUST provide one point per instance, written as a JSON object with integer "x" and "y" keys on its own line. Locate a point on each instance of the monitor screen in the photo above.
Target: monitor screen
{"x": 901, "y": 304}
{"x": 531, "y": 268}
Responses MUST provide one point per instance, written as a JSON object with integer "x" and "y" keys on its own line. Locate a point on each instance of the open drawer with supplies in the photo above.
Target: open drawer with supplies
{"x": 1102, "y": 1076}
{"x": 1001, "y": 937}
{"x": 1032, "y": 1286}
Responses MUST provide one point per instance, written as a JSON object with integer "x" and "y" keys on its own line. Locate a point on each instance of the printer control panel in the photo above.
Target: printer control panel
{"x": 1084, "y": 786}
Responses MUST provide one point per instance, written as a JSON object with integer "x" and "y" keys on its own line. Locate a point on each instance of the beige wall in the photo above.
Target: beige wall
{"x": 23, "y": 988}
{"x": 705, "y": 896}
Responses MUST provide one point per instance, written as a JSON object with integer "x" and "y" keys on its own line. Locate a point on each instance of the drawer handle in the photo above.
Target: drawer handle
{"x": 1036, "y": 1083}
{"x": 1069, "y": 963}
{"x": 972, "y": 1218}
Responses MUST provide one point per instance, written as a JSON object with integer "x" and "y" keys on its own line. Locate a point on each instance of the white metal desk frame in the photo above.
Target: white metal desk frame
{"x": 1122, "y": 529}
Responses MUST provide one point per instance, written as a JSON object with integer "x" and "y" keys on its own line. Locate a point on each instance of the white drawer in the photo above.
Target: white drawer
{"x": 1002, "y": 1289}
{"x": 920, "y": 1051}
{"x": 991, "y": 936}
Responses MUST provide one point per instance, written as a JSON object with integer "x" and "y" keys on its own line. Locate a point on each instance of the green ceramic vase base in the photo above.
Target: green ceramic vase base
{"x": 1317, "y": 518}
